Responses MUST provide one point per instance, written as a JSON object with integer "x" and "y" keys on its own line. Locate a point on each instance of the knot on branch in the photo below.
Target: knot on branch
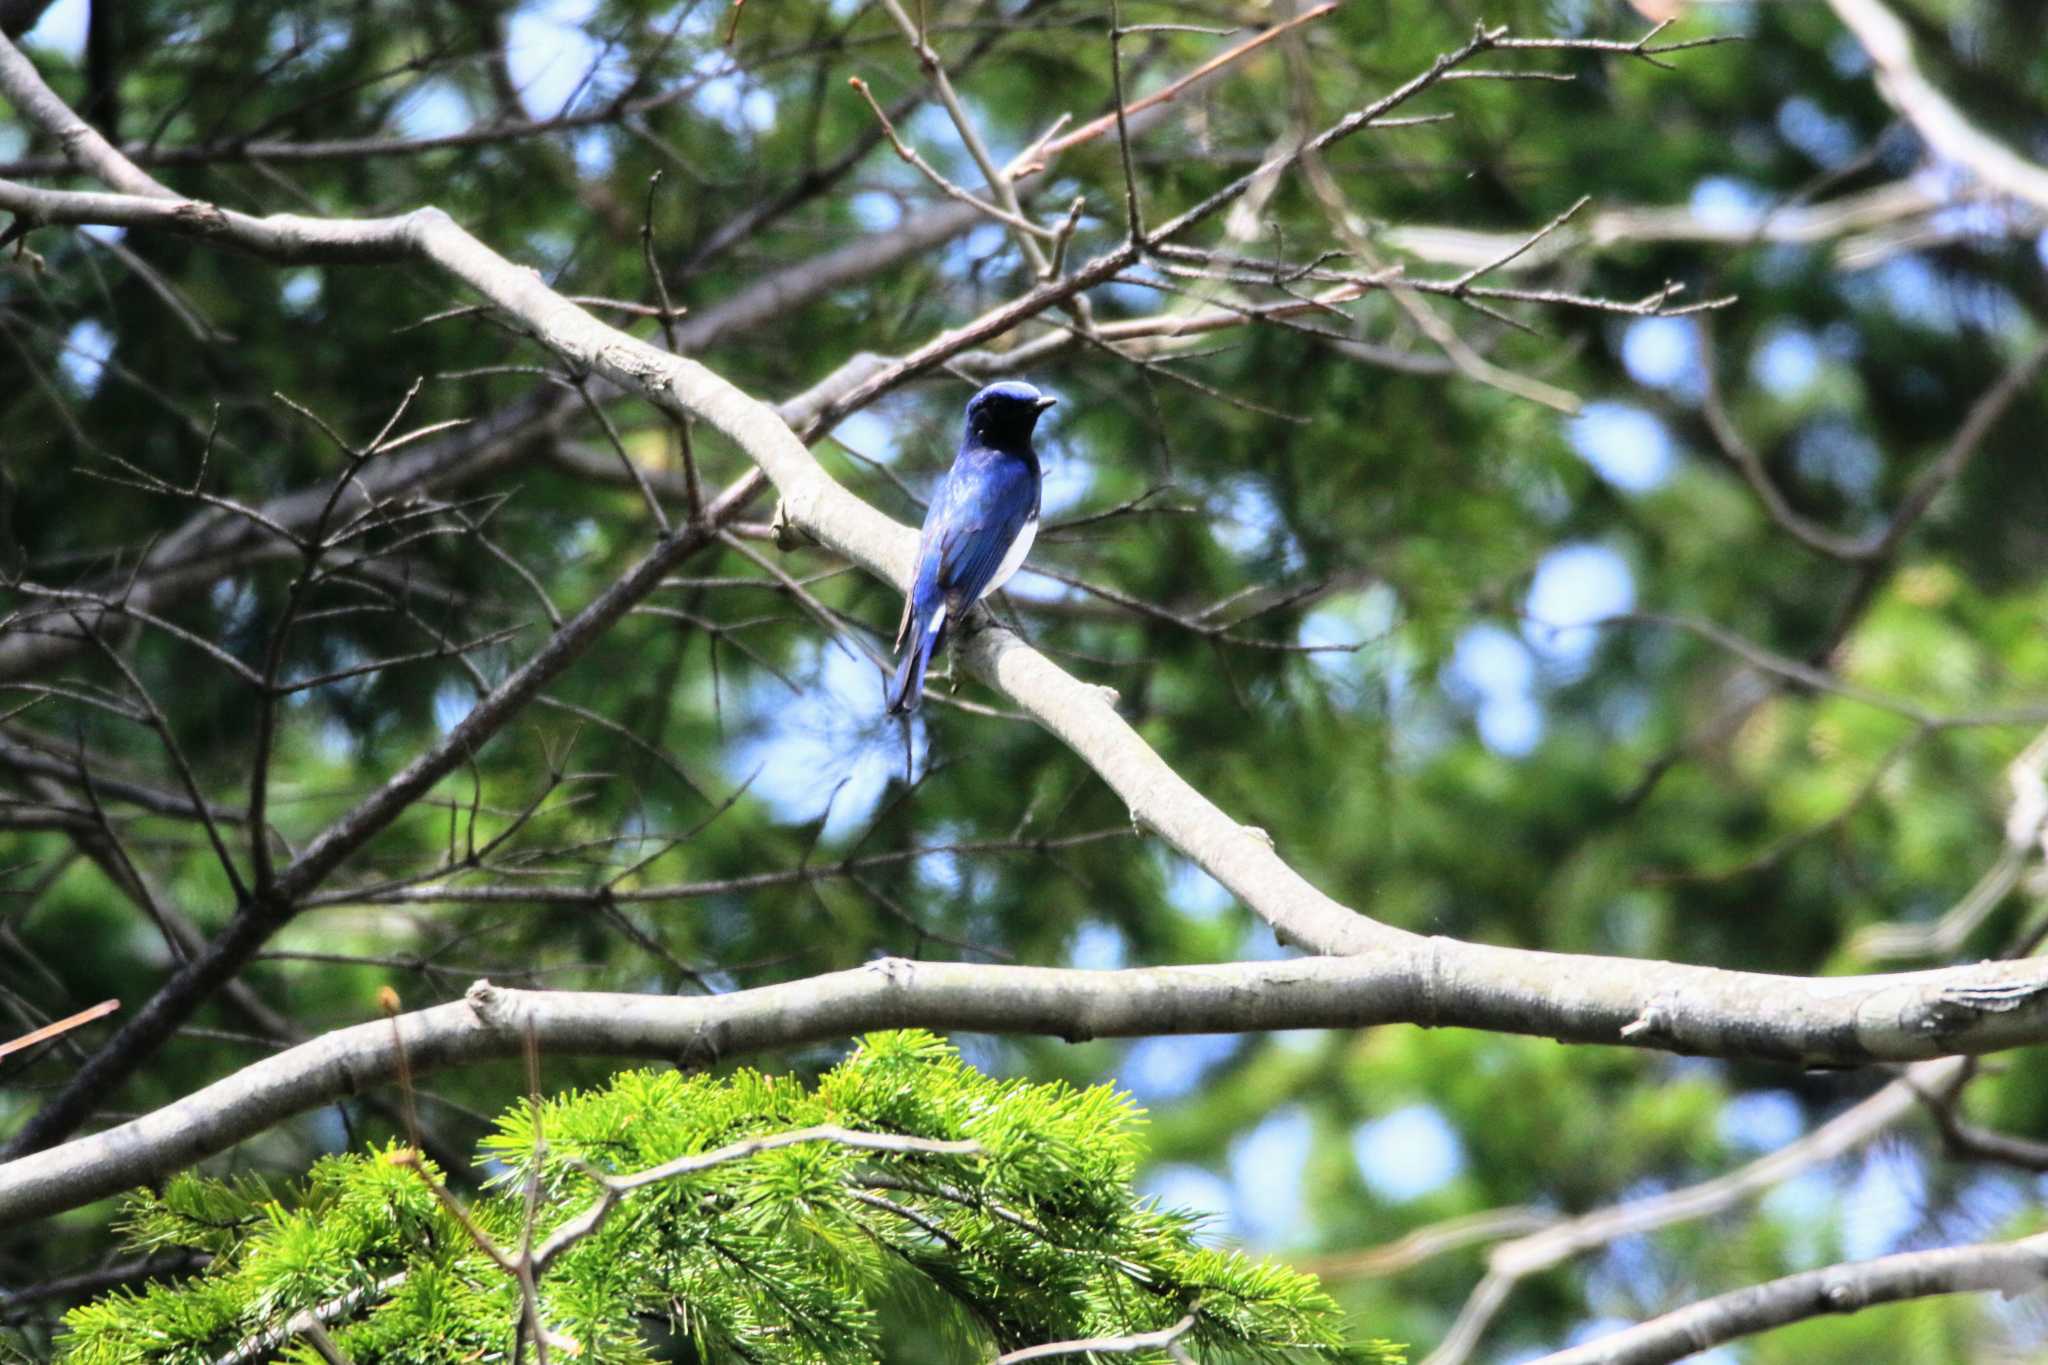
{"x": 897, "y": 971}
{"x": 486, "y": 1002}
{"x": 1654, "y": 1019}
{"x": 704, "y": 1049}
{"x": 1841, "y": 1294}
{"x": 788, "y": 535}
{"x": 196, "y": 215}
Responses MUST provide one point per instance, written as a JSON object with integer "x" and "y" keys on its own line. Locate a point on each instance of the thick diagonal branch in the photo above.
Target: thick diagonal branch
{"x": 1948, "y": 133}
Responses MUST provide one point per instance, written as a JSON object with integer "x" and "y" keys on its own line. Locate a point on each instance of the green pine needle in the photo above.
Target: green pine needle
{"x": 797, "y": 1255}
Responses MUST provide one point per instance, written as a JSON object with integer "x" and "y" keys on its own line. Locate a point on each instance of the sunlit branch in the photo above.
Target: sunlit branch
{"x": 2008, "y": 1268}
{"x": 1511, "y": 1262}
{"x": 1831, "y": 1021}
{"x": 1900, "y": 80}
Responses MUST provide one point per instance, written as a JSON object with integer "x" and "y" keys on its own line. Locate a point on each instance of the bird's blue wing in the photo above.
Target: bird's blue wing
{"x": 985, "y": 506}
{"x": 976, "y": 515}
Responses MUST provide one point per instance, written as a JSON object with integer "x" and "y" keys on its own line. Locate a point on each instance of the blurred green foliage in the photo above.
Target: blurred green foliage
{"x": 1632, "y": 788}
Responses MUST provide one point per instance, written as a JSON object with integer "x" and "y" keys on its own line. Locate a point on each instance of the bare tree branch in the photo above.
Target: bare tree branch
{"x": 1511, "y": 1262}
{"x": 1831, "y": 1021}
{"x": 2006, "y": 1268}
{"x": 1165, "y": 1339}
{"x": 1900, "y": 81}
{"x": 15, "y": 1302}
{"x": 59, "y": 1027}
{"x": 617, "y": 1187}
{"x": 1867, "y": 226}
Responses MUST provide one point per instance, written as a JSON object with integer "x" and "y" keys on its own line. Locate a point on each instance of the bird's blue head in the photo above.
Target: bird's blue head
{"x": 1002, "y": 415}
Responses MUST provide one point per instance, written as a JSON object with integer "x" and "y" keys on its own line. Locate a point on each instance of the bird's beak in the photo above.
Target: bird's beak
{"x": 1046, "y": 402}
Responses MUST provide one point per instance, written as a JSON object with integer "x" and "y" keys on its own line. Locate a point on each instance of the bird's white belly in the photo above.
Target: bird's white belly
{"x": 1014, "y": 558}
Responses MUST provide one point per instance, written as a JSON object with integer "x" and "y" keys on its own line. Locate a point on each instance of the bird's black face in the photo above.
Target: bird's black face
{"x": 1004, "y": 414}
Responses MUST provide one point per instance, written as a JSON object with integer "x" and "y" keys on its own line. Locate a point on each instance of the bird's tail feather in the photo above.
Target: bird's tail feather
{"x": 906, "y": 689}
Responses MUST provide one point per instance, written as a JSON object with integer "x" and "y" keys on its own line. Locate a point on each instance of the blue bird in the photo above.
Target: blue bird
{"x": 977, "y": 530}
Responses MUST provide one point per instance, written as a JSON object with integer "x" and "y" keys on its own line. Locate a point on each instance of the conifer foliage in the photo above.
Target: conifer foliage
{"x": 1006, "y": 1215}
